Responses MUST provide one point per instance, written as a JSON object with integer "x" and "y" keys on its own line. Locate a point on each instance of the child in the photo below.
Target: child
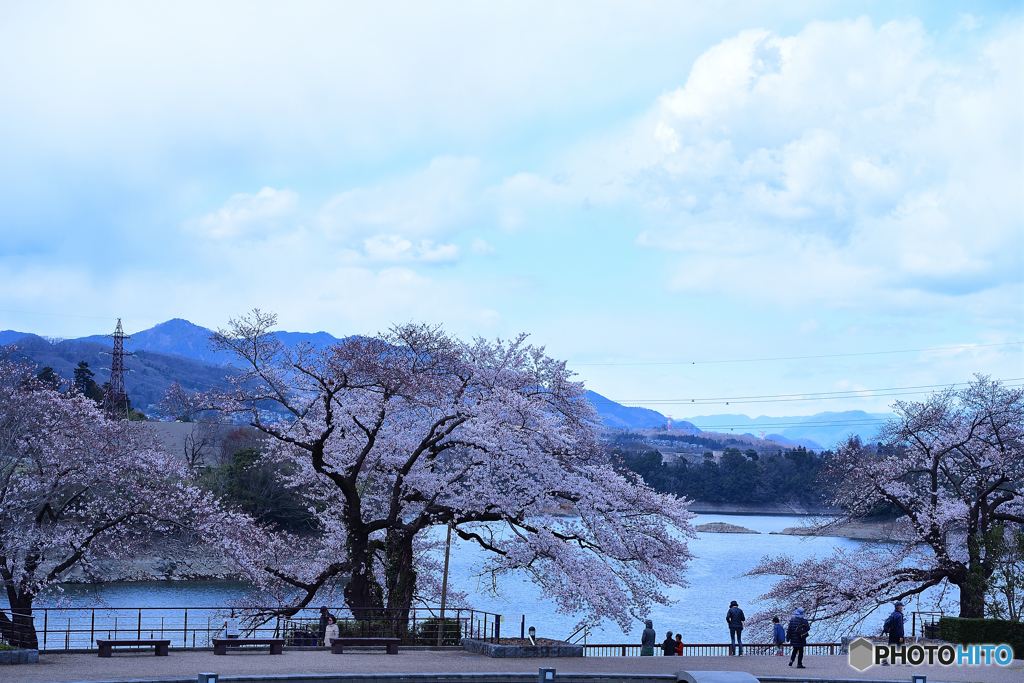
{"x": 779, "y": 634}
{"x": 679, "y": 644}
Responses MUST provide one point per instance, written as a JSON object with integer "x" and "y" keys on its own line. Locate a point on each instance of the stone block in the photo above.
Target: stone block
{"x": 485, "y": 648}
{"x": 19, "y": 656}
{"x": 715, "y": 677}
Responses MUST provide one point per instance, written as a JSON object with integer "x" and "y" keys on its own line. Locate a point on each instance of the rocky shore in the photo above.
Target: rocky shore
{"x": 723, "y": 528}
{"x": 856, "y": 531}
{"x": 164, "y": 561}
{"x": 773, "y": 509}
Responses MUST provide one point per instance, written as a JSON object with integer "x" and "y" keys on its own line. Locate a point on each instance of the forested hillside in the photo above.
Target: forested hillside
{"x": 149, "y": 373}
{"x": 783, "y": 476}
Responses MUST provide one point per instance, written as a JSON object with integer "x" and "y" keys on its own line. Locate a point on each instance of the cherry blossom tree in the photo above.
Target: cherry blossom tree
{"x": 75, "y": 485}
{"x": 953, "y": 466}
{"x": 395, "y": 434}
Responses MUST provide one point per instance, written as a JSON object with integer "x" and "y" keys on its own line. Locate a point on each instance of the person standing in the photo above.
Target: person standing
{"x": 679, "y": 644}
{"x": 647, "y": 640}
{"x": 779, "y": 636}
{"x": 893, "y": 627}
{"x": 735, "y": 618}
{"x": 796, "y": 634}
{"x": 332, "y": 629}
{"x": 324, "y": 615}
{"x": 668, "y": 648}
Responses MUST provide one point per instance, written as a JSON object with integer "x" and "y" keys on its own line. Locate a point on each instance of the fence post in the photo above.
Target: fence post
{"x": 184, "y": 630}
{"x": 497, "y": 627}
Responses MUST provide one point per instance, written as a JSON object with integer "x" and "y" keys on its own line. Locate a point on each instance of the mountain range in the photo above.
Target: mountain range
{"x": 178, "y": 350}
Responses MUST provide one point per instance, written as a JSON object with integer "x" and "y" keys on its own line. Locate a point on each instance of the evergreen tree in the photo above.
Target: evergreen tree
{"x": 48, "y": 377}
{"x": 86, "y": 385}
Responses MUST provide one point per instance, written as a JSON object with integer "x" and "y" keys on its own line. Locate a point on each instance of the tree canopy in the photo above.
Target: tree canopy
{"x": 75, "y": 485}
{"x": 953, "y": 468}
{"x": 394, "y": 434}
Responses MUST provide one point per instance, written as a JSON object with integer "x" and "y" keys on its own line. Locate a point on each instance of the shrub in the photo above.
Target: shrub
{"x": 426, "y": 634}
{"x": 975, "y": 631}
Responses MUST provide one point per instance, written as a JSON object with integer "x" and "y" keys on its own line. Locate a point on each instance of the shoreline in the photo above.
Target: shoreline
{"x": 175, "y": 561}
{"x": 765, "y": 509}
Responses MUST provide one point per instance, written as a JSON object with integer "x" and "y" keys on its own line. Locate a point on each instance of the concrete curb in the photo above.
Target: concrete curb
{"x": 19, "y": 656}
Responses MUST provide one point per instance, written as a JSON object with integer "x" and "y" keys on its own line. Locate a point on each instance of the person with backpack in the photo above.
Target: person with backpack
{"x": 735, "y": 618}
{"x": 779, "y": 636}
{"x": 796, "y": 634}
{"x": 893, "y": 627}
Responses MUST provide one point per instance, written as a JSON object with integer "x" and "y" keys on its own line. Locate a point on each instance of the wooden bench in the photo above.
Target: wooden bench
{"x": 390, "y": 643}
{"x": 221, "y": 645}
{"x": 107, "y": 646}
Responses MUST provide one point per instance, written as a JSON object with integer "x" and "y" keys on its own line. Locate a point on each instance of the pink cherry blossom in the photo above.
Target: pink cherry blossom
{"x": 394, "y": 434}
{"x": 953, "y": 468}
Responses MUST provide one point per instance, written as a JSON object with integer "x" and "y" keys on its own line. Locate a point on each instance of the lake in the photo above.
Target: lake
{"x": 699, "y": 611}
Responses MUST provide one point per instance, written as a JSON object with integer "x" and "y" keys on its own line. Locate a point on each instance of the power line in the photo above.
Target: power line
{"x": 830, "y": 355}
{"x": 816, "y": 396}
{"x": 785, "y": 425}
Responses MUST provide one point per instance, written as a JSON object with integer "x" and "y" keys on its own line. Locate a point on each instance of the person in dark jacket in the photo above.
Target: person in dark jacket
{"x": 778, "y": 635}
{"x": 894, "y": 627}
{"x": 647, "y": 640}
{"x": 668, "y": 648}
{"x": 324, "y": 614}
{"x": 796, "y": 634}
{"x": 735, "y": 618}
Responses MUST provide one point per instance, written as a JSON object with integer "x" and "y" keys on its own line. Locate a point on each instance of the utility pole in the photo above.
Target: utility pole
{"x": 444, "y": 585}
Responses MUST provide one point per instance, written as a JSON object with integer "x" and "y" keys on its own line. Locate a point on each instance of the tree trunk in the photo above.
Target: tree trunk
{"x": 399, "y": 578}
{"x": 19, "y": 628}
{"x": 972, "y": 598}
{"x": 363, "y": 594}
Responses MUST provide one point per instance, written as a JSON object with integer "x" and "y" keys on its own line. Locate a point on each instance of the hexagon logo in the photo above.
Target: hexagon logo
{"x": 862, "y": 654}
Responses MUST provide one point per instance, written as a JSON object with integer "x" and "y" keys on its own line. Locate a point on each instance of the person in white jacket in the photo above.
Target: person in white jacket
{"x": 331, "y": 631}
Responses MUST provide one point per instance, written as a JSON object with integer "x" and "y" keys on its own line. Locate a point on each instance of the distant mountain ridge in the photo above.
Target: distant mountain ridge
{"x": 826, "y": 428}
{"x": 184, "y": 338}
{"x": 617, "y": 416}
{"x": 178, "y": 350}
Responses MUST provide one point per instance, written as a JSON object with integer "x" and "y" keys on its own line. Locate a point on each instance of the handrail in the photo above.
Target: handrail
{"x": 706, "y": 649}
{"x": 59, "y": 629}
{"x": 585, "y": 630}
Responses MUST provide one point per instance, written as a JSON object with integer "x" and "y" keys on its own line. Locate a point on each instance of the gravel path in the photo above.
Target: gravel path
{"x": 127, "y": 665}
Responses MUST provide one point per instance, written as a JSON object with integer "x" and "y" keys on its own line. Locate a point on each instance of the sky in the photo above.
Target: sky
{"x": 693, "y": 203}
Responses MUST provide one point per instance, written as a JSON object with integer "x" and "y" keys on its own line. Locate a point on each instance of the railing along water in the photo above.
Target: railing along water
{"x": 706, "y": 649}
{"x": 77, "y": 628}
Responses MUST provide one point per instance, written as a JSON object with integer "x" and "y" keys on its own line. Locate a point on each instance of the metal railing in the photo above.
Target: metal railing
{"x": 77, "y": 628}
{"x": 705, "y": 649}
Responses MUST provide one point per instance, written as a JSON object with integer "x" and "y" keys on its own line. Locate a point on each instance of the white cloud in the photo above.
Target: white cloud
{"x": 432, "y": 202}
{"x": 481, "y": 247}
{"x": 246, "y": 215}
{"x": 396, "y": 249}
{"x": 848, "y": 154}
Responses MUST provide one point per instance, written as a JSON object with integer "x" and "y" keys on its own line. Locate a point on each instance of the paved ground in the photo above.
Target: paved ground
{"x": 139, "y": 666}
